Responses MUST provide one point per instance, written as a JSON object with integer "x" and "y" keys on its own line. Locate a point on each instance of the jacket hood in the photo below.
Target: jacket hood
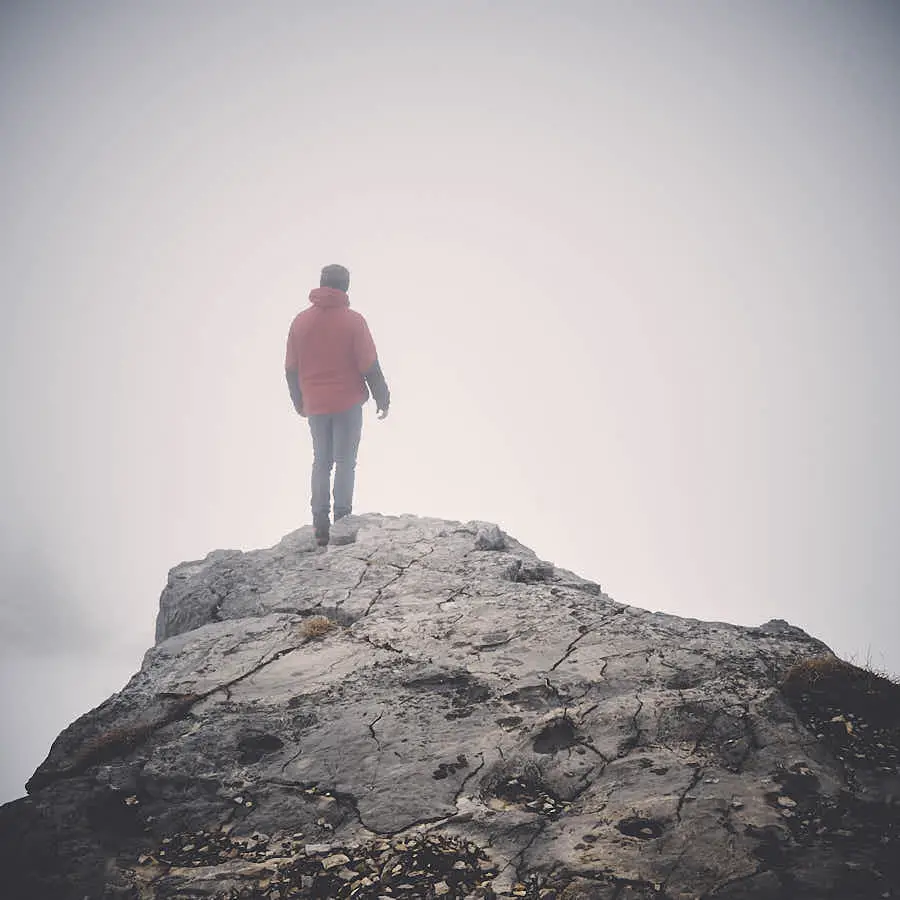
{"x": 328, "y": 297}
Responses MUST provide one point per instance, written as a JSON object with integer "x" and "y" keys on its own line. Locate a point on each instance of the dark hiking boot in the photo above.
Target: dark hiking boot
{"x": 322, "y": 528}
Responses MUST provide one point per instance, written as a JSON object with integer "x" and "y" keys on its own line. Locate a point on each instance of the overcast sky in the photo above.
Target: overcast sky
{"x": 632, "y": 270}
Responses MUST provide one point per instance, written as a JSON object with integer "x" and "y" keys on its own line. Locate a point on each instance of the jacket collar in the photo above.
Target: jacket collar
{"x": 328, "y": 297}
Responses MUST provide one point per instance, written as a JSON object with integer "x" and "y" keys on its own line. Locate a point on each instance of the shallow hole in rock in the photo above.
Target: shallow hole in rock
{"x": 558, "y": 735}
{"x": 636, "y": 826}
{"x": 527, "y": 790}
{"x": 799, "y": 782}
{"x": 255, "y": 746}
{"x": 533, "y": 697}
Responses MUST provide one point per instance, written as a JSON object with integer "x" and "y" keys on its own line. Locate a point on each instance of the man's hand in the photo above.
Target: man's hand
{"x": 382, "y": 413}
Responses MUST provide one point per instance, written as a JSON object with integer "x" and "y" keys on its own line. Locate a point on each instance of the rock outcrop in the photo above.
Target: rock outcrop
{"x": 427, "y": 709}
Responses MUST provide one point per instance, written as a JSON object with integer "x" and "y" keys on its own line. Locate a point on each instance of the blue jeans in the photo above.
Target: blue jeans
{"x": 335, "y": 438}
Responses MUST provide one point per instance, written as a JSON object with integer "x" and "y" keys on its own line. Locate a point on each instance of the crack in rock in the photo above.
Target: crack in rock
{"x": 359, "y": 581}
{"x": 395, "y": 579}
{"x": 634, "y": 739}
{"x": 469, "y": 777}
{"x": 699, "y": 772}
{"x": 389, "y": 648}
{"x": 372, "y": 730}
{"x": 583, "y": 630}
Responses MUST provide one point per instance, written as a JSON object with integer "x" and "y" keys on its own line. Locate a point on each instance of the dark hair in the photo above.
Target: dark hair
{"x": 335, "y": 276}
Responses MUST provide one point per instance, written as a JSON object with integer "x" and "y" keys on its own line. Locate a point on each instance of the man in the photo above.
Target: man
{"x": 331, "y": 358}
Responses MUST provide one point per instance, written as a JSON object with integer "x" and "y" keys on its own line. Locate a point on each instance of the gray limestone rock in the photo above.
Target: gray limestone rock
{"x": 425, "y": 708}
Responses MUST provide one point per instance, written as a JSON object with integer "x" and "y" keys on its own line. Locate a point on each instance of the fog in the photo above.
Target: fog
{"x": 632, "y": 272}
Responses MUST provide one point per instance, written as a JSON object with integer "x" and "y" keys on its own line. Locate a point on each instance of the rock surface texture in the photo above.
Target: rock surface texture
{"x": 427, "y": 709}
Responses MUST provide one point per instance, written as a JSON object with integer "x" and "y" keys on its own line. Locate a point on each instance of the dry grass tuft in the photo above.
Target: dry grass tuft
{"x": 810, "y": 672}
{"x": 316, "y": 627}
{"x": 856, "y": 688}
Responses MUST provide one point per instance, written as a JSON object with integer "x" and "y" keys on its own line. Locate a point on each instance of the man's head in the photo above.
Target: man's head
{"x": 335, "y": 276}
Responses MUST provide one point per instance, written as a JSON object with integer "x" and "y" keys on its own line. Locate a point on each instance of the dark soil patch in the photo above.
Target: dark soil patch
{"x": 856, "y": 840}
{"x": 856, "y": 834}
{"x": 855, "y": 711}
{"x": 534, "y": 697}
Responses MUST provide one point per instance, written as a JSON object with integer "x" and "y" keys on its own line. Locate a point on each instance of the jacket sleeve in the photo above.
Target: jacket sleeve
{"x": 378, "y": 386}
{"x": 369, "y": 367}
{"x": 293, "y": 382}
{"x": 292, "y": 371}
{"x": 364, "y": 351}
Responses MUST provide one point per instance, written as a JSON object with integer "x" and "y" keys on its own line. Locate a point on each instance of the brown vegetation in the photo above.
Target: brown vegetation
{"x": 856, "y": 689}
{"x": 316, "y": 627}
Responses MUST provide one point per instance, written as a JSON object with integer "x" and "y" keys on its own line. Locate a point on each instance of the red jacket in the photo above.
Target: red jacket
{"x": 330, "y": 347}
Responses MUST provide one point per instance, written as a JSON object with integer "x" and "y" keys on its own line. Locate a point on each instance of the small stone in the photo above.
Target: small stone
{"x": 441, "y": 888}
{"x": 316, "y": 849}
{"x": 787, "y": 802}
{"x": 336, "y": 859}
{"x": 131, "y": 801}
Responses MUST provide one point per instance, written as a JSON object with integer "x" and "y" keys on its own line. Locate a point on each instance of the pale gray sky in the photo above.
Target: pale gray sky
{"x": 632, "y": 270}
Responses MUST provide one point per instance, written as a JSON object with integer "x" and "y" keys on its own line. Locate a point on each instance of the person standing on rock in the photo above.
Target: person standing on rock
{"x": 330, "y": 361}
